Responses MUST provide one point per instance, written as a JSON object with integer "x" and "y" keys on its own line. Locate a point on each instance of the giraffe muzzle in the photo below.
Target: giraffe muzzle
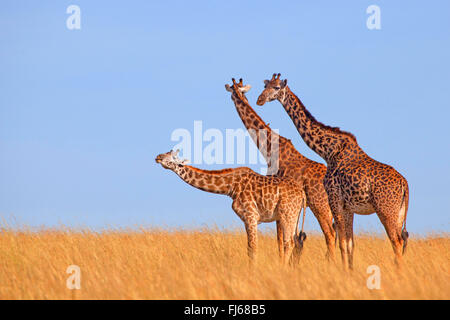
{"x": 261, "y": 100}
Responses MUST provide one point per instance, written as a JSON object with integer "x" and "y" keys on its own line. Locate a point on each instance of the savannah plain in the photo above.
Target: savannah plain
{"x": 210, "y": 264}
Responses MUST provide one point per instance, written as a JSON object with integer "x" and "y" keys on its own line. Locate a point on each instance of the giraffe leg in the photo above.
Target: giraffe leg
{"x": 394, "y": 232}
{"x": 342, "y": 236}
{"x": 318, "y": 203}
{"x": 252, "y": 240}
{"x": 341, "y": 222}
{"x": 344, "y": 225}
{"x": 335, "y": 233}
{"x": 325, "y": 219}
{"x": 288, "y": 226}
{"x": 288, "y": 244}
{"x": 280, "y": 240}
{"x": 391, "y": 210}
{"x": 349, "y": 237}
{"x": 249, "y": 215}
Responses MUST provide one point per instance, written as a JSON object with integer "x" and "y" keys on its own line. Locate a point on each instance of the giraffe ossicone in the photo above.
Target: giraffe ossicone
{"x": 243, "y": 89}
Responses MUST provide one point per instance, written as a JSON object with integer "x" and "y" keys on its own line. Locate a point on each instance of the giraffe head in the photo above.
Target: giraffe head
{"x": 170, "y": 160}
{"x": 238, "y": 89}
{"x": 273, "y": 89}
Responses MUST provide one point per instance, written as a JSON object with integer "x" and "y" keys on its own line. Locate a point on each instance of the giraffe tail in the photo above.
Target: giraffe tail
{"x": 405, "y": 234}
{"x": 301, "y": 235}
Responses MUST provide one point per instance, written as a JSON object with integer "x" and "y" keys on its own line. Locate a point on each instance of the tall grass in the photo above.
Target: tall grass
{"x": 210, "y": 264}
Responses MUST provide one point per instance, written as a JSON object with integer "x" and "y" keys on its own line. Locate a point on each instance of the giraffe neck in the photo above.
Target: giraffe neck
{"x": 272, "y": 146}
{"x": 215, "y": 181}
{"x": 326, "y": 141}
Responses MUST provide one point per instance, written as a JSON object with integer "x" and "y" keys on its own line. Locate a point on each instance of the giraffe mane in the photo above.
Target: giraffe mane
{"x": 218, "y": 172}
{"x": 322, "y": 125}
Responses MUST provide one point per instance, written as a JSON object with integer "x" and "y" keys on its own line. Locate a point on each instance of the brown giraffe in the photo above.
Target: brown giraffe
{"x": 256, "y": 198}
{"x": 291, "y": 163}
{"x": 354, "y": 182}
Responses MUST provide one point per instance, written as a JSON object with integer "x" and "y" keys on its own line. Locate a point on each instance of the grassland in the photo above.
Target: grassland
{"x": 210, "y": 264}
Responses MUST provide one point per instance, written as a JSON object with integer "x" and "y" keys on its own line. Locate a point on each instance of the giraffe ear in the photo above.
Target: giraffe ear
{"x": 266, "y": 82}
{"x": 284, "y": 83}
{"x": 228, "y": 88}
{"x": 185, "y": 161}
{"x": 245, "y": 88}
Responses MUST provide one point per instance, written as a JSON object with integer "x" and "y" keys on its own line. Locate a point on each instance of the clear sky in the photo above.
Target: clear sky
{"x": 83, "y": 113}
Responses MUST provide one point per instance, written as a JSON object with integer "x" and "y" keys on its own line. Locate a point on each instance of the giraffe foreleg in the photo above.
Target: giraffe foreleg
{"x": 349, "y": 238}
{"x": 344, "y": 227}
{"x": 249, "y": 215}
{"x": 342, "y": 236}
{"x": 280, "y": 240}
{"x": 251, "y": 227}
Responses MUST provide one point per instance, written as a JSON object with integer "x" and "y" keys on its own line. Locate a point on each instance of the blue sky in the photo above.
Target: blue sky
{"x": 83, "y": 113}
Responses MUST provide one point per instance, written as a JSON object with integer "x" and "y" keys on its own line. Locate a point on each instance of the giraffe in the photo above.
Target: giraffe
{"x": 256, "y": 199}
{"x": 291, "y": 163}
{"x": 354, "y": 182}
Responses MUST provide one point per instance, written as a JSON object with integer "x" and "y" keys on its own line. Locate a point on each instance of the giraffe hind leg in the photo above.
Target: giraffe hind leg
{"x": 288, "y": 224}
{"x": 324, "y": 216}
{"x": 394, "y": 232}
{"x": 329, "y": 233}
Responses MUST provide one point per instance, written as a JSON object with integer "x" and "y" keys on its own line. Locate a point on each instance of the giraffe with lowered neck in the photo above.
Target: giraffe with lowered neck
{"x": 354, "y": 182}
{"x": 285, "y": 161}
{"x": 256, "y": 199}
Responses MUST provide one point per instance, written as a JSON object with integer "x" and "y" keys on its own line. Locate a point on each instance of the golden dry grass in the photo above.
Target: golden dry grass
{"x": 209, "y": 264}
